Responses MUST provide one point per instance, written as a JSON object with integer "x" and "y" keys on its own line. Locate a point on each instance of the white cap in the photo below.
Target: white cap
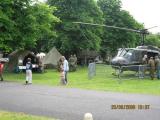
{"x": 88, "y": 116}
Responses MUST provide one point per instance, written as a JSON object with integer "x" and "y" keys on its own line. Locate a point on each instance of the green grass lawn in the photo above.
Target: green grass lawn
{"x": 20, "y": 116}
{"x": 104, "y": 80}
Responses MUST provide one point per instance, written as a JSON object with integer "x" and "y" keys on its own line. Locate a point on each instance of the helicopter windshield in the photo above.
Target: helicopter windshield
{"x": 128, "y": 54}
{"x": 121, "y": 52}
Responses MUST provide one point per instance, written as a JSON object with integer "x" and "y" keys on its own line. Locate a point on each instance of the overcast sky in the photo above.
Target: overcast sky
{"x": 144, "y": 11}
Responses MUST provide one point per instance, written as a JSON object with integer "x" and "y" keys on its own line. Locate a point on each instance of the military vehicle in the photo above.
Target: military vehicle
{"x": 130, "y": 58}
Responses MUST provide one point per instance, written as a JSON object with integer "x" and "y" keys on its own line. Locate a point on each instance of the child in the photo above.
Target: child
{"x": 1, "y": 70}
{"x": 62, "y": 75}
{"x": 29, "y": 71}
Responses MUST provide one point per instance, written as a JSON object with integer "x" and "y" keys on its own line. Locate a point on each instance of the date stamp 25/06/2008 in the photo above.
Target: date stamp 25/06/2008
{"x": 130, "y": 106}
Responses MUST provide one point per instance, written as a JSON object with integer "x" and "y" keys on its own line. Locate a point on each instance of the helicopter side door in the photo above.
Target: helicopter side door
{"x": 152, "y": 54}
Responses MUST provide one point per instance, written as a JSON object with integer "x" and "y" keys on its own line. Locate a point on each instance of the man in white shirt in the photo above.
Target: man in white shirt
{"x": 65, "y": 68}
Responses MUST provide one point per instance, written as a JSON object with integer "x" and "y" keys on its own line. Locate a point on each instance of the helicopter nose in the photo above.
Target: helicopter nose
{"x": 118, "y": 61}
{"x": 115, "y": 61}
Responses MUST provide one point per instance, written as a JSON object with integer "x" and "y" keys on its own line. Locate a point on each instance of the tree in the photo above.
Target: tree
{"x": 73, "y": 37}
{"x": 45, "y": 23}
{"x": 153, "y": 39}
{"x": 24, "y": 23}
{"x": 6, "y": 24}
{"x": 114, "y": 16}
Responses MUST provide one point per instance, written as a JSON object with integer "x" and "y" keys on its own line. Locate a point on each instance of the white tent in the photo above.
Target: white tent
{"x": 52, "y": 57}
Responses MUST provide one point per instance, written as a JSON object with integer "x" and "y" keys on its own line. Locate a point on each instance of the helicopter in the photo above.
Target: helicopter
{"x": 128, "y": 59}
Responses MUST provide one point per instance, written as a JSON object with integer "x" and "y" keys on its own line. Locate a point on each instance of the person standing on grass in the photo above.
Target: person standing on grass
{"x": 65, "y": 68}
{"x": 157, "y": 64}
{"x": 62, "y": 74}
{"x": 29, "y": 71}
{"x": 142, "y": 68}
{"x": 1, "y": 70}
{"x": 144, "y": 60}
{"x": 151, "y": 63}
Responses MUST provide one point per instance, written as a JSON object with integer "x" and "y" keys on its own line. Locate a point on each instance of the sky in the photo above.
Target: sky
{"x": 144, "y": 11}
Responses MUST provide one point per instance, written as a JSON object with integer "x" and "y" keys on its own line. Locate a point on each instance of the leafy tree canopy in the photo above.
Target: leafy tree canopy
{"x": 153, "y": 39}
{"x": 114, "y": 16}
{"x": 74, "y": 37}
{"x": 23, "y": 23}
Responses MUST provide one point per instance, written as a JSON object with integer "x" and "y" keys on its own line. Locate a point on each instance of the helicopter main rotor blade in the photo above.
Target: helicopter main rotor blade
{"x": 151, "y": 27}
{"x": 102, "y": 25}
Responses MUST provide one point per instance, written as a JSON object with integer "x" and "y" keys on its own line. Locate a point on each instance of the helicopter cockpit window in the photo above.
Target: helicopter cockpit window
{"x": 128, "y": 54}
{"x": 122, "y": 52}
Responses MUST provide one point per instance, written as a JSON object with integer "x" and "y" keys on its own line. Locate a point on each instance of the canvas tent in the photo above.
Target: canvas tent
{"x": 51, "y": 58}
{"x": 19, "y": 57}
